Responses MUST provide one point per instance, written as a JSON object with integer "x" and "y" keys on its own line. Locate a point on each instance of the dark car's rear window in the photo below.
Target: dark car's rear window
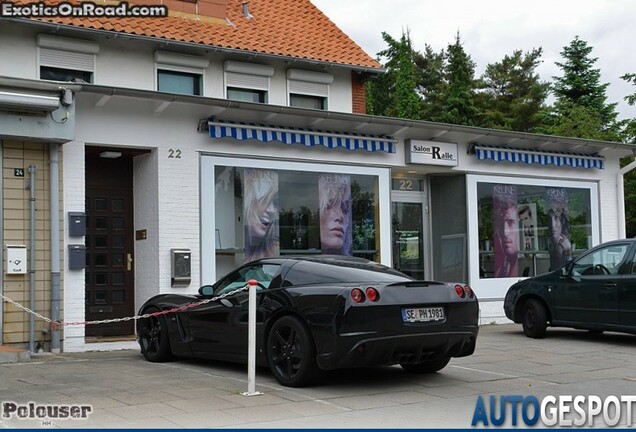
{"x": 308, "y": 272}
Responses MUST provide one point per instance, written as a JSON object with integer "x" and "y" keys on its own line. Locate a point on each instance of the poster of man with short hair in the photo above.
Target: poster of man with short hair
{"x": 506, "y": 230}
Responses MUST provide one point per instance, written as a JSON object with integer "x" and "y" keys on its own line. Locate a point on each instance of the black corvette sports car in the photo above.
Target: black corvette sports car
{"x": 317, "y": 313}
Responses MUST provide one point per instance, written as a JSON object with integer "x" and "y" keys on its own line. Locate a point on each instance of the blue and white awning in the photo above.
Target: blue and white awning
{"x": 573, "y": 160}
{"x": 306, "y": 137}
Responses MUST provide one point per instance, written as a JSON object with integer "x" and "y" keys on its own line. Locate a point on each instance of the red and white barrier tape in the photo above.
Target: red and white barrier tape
{"x": 57, "y": 324}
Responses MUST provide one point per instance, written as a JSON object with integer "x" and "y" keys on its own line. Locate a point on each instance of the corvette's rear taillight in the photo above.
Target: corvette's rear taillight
{"x": 372, "y": 294}
{"x": 469, "y": 291}
{"x": 357, "y": 295}
{"x": 460, "y": 291}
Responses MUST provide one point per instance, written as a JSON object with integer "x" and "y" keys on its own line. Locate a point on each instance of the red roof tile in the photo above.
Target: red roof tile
{"x": 292, "y": 28}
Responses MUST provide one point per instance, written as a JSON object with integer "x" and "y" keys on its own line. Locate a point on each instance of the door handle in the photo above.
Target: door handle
{"x": 610, "y": 285}
{"x": 129, "y": 261}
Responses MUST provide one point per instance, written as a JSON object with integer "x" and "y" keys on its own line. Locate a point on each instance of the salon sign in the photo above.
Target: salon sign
{"x": 431, "y": 153}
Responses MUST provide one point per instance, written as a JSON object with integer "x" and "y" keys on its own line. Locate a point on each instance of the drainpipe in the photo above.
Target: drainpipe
{"x": 32, "y": 171}
{"x": 620, "y": 184}
{"x": 1, "y": 246}
{"x": 55, "y": 243}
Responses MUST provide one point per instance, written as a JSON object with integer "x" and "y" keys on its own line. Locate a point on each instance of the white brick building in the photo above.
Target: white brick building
{"x": 152, "y": 169}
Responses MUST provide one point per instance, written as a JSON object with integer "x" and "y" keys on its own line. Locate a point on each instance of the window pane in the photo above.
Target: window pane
{"x": 307, "y": 101}
{"x": 246, "y": 95}
{"x": 101, "y": 278}
{"x": 101, "y": 204}
{"x": 101, "y": 260}
{"x": 119, "y": 296}
{"x": 117, "y": 204}
{"x": 57, "y": 74}
{"x": 179, "y": 82}
{"x": 525, "y": 230}
{"x": 117, "y": 278}
{"x": 263, "y": 212}
{"x": 118, "y": 223}
{"x": 101, "y": 223}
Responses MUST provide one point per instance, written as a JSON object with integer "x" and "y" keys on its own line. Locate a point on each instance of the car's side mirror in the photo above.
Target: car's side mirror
{"x": 566, "y": 270}
{"x": 206, "y": 290}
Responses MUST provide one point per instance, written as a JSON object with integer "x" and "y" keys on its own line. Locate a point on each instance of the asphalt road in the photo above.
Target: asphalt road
{"x": 125, "y": 391}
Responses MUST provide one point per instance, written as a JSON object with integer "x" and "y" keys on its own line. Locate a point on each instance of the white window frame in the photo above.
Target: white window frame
{"x": 208, "y": 213}
{"x": 173, "y": 62}
{"x": 247, "y": 76}
{"x": 496, "y": 288}
{"x": 308, "y": 83}
{"x": 65, "y": 53}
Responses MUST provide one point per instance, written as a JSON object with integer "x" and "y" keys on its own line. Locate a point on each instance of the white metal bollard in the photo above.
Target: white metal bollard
{"x": 251, "y": 341}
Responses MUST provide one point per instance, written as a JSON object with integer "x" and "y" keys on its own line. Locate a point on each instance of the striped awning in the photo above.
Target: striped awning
{"x": 573, "y": 160}
{"x": 306, "y": 137}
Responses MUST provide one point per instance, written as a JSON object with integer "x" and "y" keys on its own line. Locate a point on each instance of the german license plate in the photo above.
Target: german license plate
{"x": 423, "y": 314}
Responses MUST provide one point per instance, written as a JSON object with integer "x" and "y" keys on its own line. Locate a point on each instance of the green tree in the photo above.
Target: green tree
{"x": 430, "y": 68}
{"x": 629, "y": 185}
{"x": 458, "y": 94}
{"x": 394, "y": 93}
{"x": 512, "y": 94}
{"x": 581, "y": 109}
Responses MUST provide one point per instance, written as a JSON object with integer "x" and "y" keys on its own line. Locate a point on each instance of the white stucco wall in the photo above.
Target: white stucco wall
{"x": 130, "y": 64}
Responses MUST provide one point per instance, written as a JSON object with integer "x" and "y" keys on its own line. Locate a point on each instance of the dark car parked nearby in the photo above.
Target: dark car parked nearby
{"x": 596, "y": 291}
{"x": 318, "y": 313}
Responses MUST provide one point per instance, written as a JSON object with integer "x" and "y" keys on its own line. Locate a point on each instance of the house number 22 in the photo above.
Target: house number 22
{"x": 174, "y": 154}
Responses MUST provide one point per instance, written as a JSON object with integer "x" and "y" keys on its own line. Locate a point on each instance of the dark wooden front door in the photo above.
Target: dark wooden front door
{"x": 109, "y": 244}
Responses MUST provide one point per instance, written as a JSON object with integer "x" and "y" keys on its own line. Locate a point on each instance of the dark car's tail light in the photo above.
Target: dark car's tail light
{"x": 372, "y": 294}
{"x": 357, "y": 295}
{"x": 469, "y": 291}
{"x": 460, "y": 291}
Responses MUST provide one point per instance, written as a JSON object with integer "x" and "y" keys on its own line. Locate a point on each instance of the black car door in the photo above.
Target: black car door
{"x": 589, "y": 293}
{"x": 627, "y": 292}
{"x": 219, "y": 328}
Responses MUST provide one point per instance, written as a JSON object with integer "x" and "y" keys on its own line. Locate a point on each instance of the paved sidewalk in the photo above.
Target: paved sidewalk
{"x": 125, "y": 391}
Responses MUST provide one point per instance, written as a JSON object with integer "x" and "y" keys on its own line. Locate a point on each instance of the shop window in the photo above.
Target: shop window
{"x": 269, "y": 212}
{"x": 526, "y": 230}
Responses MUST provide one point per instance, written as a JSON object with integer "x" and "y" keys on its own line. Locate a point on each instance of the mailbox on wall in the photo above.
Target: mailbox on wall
{"x": 76, "y": 256}
{"x": 181, "y": 265}
{"x": 76, "y": 224}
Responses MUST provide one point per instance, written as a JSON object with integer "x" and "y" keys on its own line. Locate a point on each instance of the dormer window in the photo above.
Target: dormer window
{"x": 180, "y": 73}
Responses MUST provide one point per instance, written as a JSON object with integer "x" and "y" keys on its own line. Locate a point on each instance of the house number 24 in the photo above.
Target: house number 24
{"x": 174, "y": 153}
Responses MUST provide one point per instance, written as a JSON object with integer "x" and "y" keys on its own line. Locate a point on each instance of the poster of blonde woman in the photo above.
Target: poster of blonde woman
{"x": 260, "y": 213}
{"x": 334, "y": 195}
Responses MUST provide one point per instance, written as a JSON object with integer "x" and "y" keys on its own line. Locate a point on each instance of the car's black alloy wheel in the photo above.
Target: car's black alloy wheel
{"x": 534, "y": 319}
{"x": 291, "y": 353}
{"x": 427, "y": 366}
{"x": 153, "y": 337}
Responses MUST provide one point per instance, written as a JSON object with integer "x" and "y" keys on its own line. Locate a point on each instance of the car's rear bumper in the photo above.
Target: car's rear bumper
{"x": 378, "y": 349}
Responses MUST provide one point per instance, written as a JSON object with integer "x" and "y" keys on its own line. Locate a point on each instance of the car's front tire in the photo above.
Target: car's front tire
{"x": 534, "y": 319}
{"x": 153, "y": 337}
{"x": 291, "y": 353}
{"x": 427, "y": 366}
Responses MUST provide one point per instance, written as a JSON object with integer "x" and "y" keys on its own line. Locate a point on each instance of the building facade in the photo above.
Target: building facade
{"x": 155, "y": 157}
